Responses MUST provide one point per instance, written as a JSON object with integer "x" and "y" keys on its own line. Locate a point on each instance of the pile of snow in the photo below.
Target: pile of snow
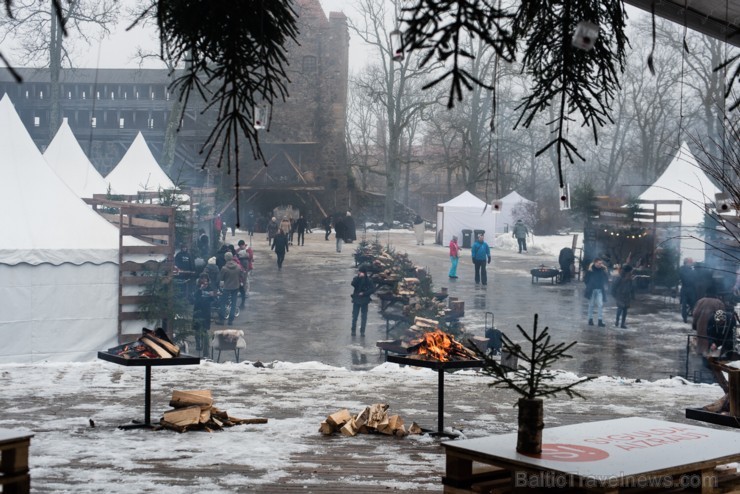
{"x": 546, "y": 245}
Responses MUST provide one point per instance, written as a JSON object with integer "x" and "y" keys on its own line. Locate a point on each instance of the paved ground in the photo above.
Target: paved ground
{"x": 303, "y": 312}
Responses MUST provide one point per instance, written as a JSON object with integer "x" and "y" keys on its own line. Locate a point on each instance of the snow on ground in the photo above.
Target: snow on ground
{"x": 55, "y": 401}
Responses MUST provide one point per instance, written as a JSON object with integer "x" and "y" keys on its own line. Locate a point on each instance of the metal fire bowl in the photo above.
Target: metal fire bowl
{"x": 140, "y": 362}
{"x": 436, "y": 364}
{"x": 544, "y": 272}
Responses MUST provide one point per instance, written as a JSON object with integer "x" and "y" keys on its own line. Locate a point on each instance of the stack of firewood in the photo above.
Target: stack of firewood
{"x": 151, "y": 344}
{"x": 194, "y": 410}
{"x": 372, "y": 419}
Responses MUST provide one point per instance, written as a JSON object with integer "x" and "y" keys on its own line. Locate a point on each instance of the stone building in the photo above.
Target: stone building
{"x": 304, "y": 144}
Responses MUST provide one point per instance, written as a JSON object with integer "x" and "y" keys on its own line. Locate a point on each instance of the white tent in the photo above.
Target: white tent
{"x": 58, "y": 259}
{"x": 685, "y": 181}
{"x": 464, "y": 212}
{"x": 512, "y": 206}
{"x": 138, "y": 171}
{"x": 68, "y": 160}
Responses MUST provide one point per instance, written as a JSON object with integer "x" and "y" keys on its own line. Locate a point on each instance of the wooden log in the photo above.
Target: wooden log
{"x": 362, "y": 417}
{"x": 247, "y": 421}
{"x": 183, "y": 416}
{"x": 339, "y": 418}
{"x": 160, "y": 338}
{"x": 201, "y": 397}
{"x": 414, "y": 428}
{"x": 156, "y": 348}
{"x": 326, "y": 428}
{"x": 377, "y": 415}
{"x": 349, "y": 429}
{"x": 205, "y": 415}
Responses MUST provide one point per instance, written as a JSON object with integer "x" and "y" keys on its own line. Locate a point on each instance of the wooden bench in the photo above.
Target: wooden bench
{"x": 14, "y": 476}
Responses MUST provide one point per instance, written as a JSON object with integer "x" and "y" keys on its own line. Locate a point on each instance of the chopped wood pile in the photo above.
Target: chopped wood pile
{"x": 194, "y": 410}
{"x": 373, "y": 419}
{"x": 151, "y": 344}
{"x": 399, "y": 280}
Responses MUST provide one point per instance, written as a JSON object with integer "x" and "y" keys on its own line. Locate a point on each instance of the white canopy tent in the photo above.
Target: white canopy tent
{"x": 58, "y": 259}
{"x": 685, "y": 181}
{"x": 138, "y": 171}
{"x": 464, "y": 212}
{"x": 65, "y": 156}
{"x": 512, "y": 206}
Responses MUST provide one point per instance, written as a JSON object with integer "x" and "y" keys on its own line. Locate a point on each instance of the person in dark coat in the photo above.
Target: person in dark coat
{"x": 688, "y": 288}
{"x": 350, "y": 232}
{"x": 326, "y": 223}
{"x": 566, "y": 260}
{"x": 339, "y": 232}
{"x": 622, "y": 292}
{"x": 300, "y": 228}
{"x": 597, "y": 280}
{"x": 230, "y": 278}
{"x": 272, "y": 229}
{"x": 205, "y": 294}
{"x": 363, "y": 288}
{"x": 250, "y": 222}
{"x": 280, "y": 246}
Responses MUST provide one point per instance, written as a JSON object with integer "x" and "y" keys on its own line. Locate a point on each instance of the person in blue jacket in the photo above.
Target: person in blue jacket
{"x": 481, "y": 256}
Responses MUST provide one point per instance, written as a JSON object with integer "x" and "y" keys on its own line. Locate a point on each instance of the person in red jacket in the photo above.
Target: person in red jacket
{"x": 454, "y": 257}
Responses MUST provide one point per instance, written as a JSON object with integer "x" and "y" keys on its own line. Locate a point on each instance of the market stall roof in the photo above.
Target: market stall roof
{"x": 138, "y": 171}
{"x": 66, "y": 157}
{"x": 684, "y": 180}
{"x": 717, "y": 18}
{"x": 43, "y": 220}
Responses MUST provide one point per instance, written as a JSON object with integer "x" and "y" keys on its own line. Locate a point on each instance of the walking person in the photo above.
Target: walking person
{"x": 280, "y": 246}
{"x": 704, "y": 310}
{"x": 622, "y": 292}
{"x": 339, "y": 232}
{"x": 231, "y": 278}
{"x": 454, "y": 257}
{"x": 363, "y": 288}
{"x": 419, "y": 228}
{"x": 520, "y": 233}
{"x": 596, "y": 279}
{"x": 481, "y": 255}
{"x": 300, "y": 227}
{"x": 326, "y": 223}
{"x": 272, "y": 229}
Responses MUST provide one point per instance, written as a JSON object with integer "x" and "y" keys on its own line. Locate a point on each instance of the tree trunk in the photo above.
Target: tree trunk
{"x": 531, "y": 416}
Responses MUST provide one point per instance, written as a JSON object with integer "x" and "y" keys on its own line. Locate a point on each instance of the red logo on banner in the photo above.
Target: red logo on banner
{"x": 570, "y": 452}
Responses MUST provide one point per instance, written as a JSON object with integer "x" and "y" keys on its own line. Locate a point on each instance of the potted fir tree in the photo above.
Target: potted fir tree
{"x": 532, "y": 381}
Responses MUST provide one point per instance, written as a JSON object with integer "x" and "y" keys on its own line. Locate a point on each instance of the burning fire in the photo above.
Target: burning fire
{"x": 438, "y": 345}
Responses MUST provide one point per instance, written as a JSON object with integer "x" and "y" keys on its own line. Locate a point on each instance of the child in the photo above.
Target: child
{"x": 622, "y": 293}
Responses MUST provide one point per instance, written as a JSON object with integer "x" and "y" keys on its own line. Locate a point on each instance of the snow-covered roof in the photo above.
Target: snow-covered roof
{"x": 65, "y": 156}
{"x": 684, "y": 180}
{"x": 138, "y": 171}
{"x": 43, "y": 220}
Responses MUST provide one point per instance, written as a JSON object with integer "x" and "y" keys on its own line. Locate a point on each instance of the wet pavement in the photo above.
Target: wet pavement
{"x": 303, "y": 312}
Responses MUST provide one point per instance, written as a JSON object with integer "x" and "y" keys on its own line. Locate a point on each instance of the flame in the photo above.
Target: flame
{"x": 436, "y": 345}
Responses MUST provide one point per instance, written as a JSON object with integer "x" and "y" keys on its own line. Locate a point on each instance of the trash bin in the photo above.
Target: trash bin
{"x": 466, "y": 243}
{"x": 476, "y": 233}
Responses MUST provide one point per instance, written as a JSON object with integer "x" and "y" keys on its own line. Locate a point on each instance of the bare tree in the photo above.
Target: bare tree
{"x": 40, "y": 29}
{"x": 392, "y": 85}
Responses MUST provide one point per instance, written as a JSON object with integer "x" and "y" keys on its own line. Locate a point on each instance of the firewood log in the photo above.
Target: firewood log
{"x": 183, "y": 416}
{"x": 339, "y": 418}
{"x": 414, "y": 428}
{"x": 151, "y": 344}
{"x": 201, "y": 397}
{"x": 326, "y": 428}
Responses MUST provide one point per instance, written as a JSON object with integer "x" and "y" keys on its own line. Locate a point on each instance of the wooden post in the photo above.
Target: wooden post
{"x": 734, "y": 392}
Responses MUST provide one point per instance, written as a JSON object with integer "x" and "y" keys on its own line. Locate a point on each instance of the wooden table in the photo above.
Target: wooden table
{"x": 14, "y": 476}
{"x": 606, "y": 456}
{"x": 148, "y": 363}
